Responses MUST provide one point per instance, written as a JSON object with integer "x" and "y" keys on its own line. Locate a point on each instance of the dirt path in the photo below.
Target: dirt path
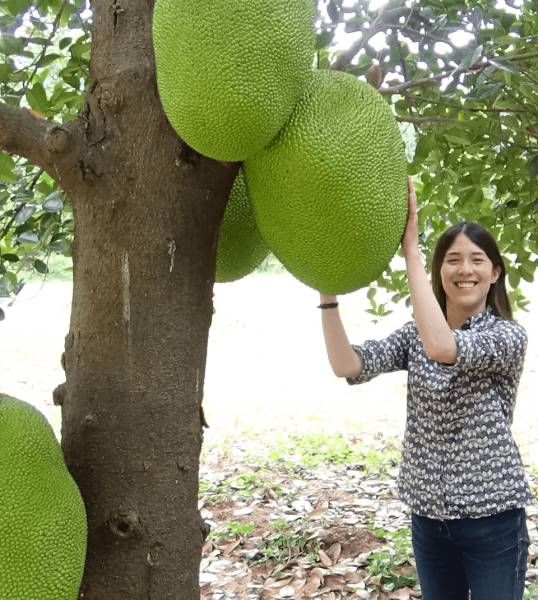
{"x": 266, "y": 363}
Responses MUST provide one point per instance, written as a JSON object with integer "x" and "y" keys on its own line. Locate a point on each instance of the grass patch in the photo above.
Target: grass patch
{"x": 389, "y": 567}
{"x": 285, "y": 543}
{"x": 241, "y": 487}
{"x": 531, "y": 593}
{"x": 321, "y": 449}
{"x": 232, "y": 529}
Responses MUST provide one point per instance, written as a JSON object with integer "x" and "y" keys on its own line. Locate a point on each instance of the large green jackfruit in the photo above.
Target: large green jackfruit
{"x": 330, "y": 192}
{"x": 229, "y": 72}
{"x": 241, "y": 248}
{"x": 42, "y": 516}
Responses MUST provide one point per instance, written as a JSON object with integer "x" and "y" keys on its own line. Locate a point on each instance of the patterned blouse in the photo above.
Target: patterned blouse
{"x": 459, "y": 458}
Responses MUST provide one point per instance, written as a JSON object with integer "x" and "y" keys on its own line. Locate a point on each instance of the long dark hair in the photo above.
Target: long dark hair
{"x": 497, "y": 297}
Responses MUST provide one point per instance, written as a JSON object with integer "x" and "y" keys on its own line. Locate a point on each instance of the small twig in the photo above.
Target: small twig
{"x": 396, "y": 89}
{"x": 427, "y": 120}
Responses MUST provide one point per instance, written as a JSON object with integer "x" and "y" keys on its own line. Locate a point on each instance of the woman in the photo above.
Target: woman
{"x": 461, "y": 472}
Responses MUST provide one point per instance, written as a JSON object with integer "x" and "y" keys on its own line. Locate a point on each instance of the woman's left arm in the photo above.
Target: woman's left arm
{"x": 437, "y": 337}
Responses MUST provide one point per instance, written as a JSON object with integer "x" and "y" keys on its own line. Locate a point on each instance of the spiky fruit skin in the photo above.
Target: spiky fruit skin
{"x": 241, "y": 248}
{"x": 229, "y": 72}
{"x": 330, "y": 192}
{"x": 42, "y": 517}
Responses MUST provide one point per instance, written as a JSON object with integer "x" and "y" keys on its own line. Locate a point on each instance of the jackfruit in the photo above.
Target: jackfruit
{"x": 330, "y": 192}
{"x": 229, "y": 72}
{"x": 241, "y": 248}
{"x": 42, "y": 516}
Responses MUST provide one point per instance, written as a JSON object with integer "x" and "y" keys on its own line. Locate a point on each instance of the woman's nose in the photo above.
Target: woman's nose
{"x": 466, "y": 266}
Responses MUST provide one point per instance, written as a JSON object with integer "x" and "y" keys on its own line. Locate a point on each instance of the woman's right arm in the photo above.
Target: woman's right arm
{"x": 345, "y": 362}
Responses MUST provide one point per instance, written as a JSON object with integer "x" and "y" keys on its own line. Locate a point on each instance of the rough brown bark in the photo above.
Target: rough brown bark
{"x": 147, "y": 211}
{"x": 135, "y": 357}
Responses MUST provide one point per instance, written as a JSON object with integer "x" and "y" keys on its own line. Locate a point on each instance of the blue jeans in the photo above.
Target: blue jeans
{"x": 486, "y": 556}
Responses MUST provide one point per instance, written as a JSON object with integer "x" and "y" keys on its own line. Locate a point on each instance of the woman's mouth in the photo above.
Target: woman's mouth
{"x": 465, "y": 284}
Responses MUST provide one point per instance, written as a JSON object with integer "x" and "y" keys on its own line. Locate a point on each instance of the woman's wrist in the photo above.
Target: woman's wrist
{"x": 412, "y": 253}
{"x": 327, "y": 298}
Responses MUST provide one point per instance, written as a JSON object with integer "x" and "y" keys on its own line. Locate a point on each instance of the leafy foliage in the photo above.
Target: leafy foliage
{"x": 462, "y": 78}
{"x": 44, "y": 66}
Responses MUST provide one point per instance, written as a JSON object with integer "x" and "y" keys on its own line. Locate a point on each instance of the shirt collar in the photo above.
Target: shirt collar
{"x": 475, "y": 320}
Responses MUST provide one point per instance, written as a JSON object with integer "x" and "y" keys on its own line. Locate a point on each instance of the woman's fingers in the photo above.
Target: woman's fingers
{"x": 411, "y": 198}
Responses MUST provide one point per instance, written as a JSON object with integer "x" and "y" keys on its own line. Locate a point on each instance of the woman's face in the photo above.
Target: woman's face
{"x": 467, "y": 274}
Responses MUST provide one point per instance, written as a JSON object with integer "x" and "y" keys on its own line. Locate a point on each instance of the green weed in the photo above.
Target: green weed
{"x": 285, "y": 544}
{"x": 317, "y": 449}
{"x": 388, "y": 572}
{"x": 244, "y": 486}
{"x": 232, "y": 529}
{"x": 531, "y": 593}
{"x": 389, "y": 568}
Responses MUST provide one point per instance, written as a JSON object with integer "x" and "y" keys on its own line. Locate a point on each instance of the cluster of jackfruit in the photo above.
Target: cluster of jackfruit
{"x": 42, "y": 516}
{"x": 323, "y": 158}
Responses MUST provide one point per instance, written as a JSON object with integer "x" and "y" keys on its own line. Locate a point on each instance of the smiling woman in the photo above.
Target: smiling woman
{"x": 461, "y": 472}
{"x": 468, "y": 273}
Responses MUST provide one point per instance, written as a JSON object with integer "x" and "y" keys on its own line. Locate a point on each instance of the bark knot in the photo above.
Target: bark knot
{"x": 59, "y": 394}
{"x": 111, "y": 100}
{"x": 57, "y": 139}
{"x": 125, "y": 524}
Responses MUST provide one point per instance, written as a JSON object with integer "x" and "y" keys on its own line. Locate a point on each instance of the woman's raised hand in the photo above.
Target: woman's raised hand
{"x": 410, "y": 236}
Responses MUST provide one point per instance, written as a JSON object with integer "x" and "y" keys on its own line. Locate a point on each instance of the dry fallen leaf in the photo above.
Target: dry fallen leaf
{"x": 402, "y": 594}
{"x": 277, "y": 583}
{"x": 227, "y": 549}
{"x": 353, "y": 577}
{"x": 334, "y": 552}
{"x": 324, "y": 559}
{"x": 335, "y": 582}
{"x": 287, "y": 592}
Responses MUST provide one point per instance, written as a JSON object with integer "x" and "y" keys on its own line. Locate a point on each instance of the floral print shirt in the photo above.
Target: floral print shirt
{"x": 459, "y": 458}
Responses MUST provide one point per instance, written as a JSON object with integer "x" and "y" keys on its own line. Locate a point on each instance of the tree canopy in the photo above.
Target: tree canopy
{"x": 461, "y": 76}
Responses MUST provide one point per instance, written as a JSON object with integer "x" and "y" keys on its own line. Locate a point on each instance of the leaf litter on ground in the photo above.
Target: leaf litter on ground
{"x": 318, "y": 518}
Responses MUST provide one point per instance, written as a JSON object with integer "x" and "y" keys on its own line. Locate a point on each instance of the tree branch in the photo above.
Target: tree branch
{"x": 390, "y": 19}
{"x": 397, "y": 89}
{"x": 36, "y": 139}
{"x": 428, "y": 120}
{"x": 345, "y": 59}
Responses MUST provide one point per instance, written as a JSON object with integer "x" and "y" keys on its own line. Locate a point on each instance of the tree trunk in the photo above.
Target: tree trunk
{"x": 147, "y": 211}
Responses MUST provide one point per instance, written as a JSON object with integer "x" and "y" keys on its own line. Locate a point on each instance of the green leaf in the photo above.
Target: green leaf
{"x": 37, "y": 98}
{"x": 40, "y": 267}
{"x": 53, "y": 203}
{"x": 28, "y": 237}
{"x": 487, "y": 90}
{"x": 49, "y": 59}
{"x": 505, "y": 65}
{"x": 472, "y": 56}
{"x": 64, "y": 42}
{"x": 5, "y": 72}
{"x": 533, "y": 166}
{"x": 10, "y": 257}
{"x": 324, "y": 39}
{"x": 11, "y": 45}
{"x": 7, "y": 165}
{"x": 16, "y": 7}
{"x": 425, "y": 145}
{"x": 24, "y": 214}
{"x": 457, "y": 136}
{"x": 513, "y": 278}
